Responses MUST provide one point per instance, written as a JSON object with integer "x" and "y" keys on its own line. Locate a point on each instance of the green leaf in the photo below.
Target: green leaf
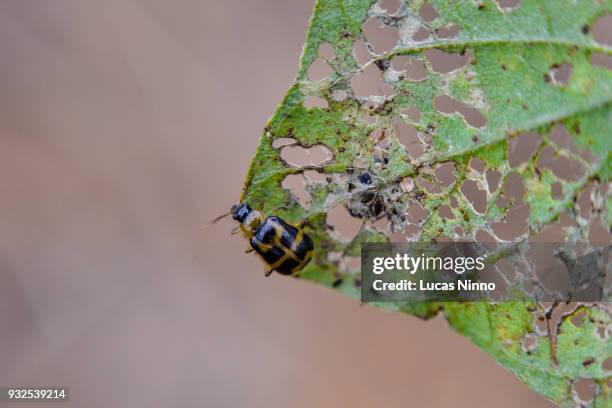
{"x": 514, "y": 89}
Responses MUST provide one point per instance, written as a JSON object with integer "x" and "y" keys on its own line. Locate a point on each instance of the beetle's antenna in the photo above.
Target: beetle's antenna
{"x": 219, "y": 218}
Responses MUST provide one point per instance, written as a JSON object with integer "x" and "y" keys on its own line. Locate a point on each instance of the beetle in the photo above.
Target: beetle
{"x": 284, "y": 247}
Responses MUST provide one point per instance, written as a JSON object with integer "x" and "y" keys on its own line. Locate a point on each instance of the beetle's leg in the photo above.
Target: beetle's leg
{"x": 268, "y": 271}
{"x": 303, "y": 223}
{"x": 248, "y": 250}
{"x": 236, "y": 230}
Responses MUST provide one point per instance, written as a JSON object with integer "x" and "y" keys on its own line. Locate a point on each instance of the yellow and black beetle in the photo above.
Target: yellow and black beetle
{"x": 284, "y": 247}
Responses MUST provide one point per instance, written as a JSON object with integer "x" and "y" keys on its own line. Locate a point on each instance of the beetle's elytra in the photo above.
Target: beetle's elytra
{"x": 283, "y": 247}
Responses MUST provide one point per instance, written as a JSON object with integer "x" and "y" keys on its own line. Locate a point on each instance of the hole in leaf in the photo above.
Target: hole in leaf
{"x": 552, "y": 231}
{"x": 601, "y": 60}
{"x": 584, "y": 390}
{"x": 400, "y": 62}
{"x": 370, "y": 82}
{"x": 314, "y": 176}
{"x": 315, "y": 102}
{"x": 529, "y": 342}
{"x": 390, "y": 5}
{"x": 493, "y": 179}
{"x": 507, "y": 5}
{"x": 556, "y": 191}
{"x": 411, "y": 113}
{"x": 326, "y": 51}
{"x": 476, "y": 196}
{"x": 513, "y": 187}
{"x": 559, "y": 74}
{"x": 283, "y": 141}
{"x": 416, "y": 70}
{"x": 396, "y": 235}
{"x": 361, "y": 53}
{"x": 446, "y": 104}
{"x": 295, "y": 184}
{"x": 522, "y": 148}
{"x": 446, "y": 212}
{"x": 515, "y": 223}
{"x": 502, "y": 202}
{"x": 445, "y": 173}
{"x": 421, "y": 34}
{"x": 599, "y": 233}
{"x": 483, "y": 236}
{"x": 428, "y": 13}
{"x": 601, "y": 29}
{"x": 410, "y": 68}
{"x": 415, "y": 212}
{"x": 577, "y": 318}
{"x": 561, "y": 166}
{"x": 477, "y": 165}
{"x": 318, "y": 70}
{"x": 408, "y": 136}
{"x": 298, "y": 156}
{"x": 562, "y": 138}
{"x": 448, "y": 32}
{"x": 382, "y": 225}
{"x": 428, "y": 185}
{"x": 381, "y": 37}
{"x": 443, "y": 62}
{"x": 411, "y": 230}
{"x": 342, "y": 223}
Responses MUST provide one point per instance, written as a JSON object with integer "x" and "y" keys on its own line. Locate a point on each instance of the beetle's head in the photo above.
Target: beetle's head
{"x": 240, "y": 211}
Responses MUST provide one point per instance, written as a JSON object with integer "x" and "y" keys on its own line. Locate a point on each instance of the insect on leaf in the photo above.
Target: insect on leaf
{"x": 462, "y": 119}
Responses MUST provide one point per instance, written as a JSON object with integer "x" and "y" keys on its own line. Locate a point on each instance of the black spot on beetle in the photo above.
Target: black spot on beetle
{"x": 337, "y": 283}
{"x": 474, "y": 138}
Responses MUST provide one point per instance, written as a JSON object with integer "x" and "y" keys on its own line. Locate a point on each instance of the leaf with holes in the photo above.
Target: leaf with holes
{"x": 464, "y": 119}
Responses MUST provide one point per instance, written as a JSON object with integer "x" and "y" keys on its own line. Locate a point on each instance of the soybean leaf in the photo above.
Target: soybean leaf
{"x": 482, "y": 119}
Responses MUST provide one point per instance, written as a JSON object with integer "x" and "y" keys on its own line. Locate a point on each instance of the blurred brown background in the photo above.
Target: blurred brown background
{"x": 126, "y": 125}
